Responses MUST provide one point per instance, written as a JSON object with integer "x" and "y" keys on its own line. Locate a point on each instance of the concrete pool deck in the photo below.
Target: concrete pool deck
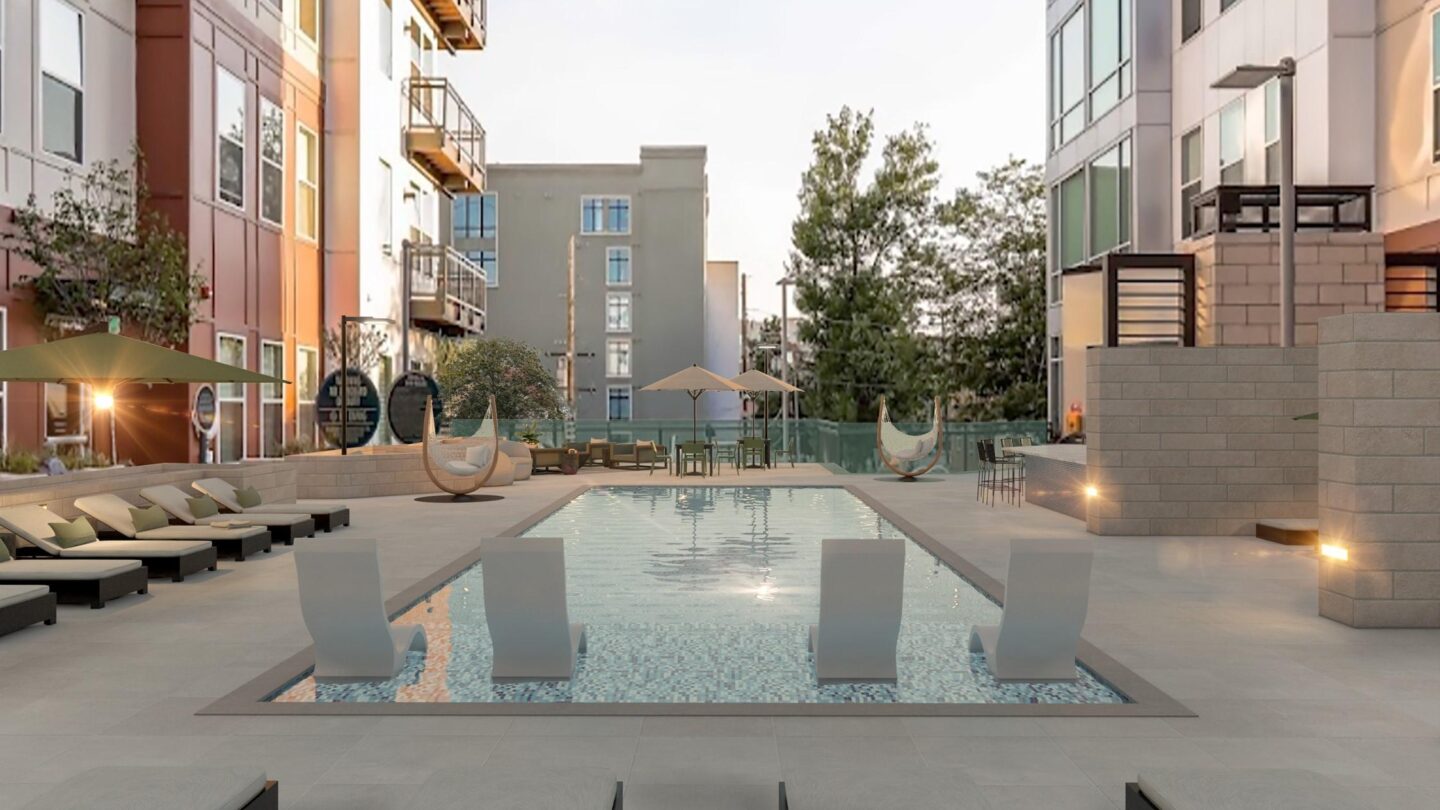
{"x": 1227, "y": 626}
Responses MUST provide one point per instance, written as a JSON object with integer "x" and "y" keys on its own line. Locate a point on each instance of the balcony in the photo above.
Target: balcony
{"x": 447, "y": 291}
{"x": 460, "y": 23}
{"x": 1238, "y": 209}
{"x": 442, "y": 137}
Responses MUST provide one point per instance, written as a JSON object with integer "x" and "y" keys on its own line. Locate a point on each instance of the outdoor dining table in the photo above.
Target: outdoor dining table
{"x": 676, "y": 468}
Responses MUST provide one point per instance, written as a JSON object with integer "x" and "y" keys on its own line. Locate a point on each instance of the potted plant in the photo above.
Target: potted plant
{"x": 570, "y": 462}
{"x": 530, "y": 435}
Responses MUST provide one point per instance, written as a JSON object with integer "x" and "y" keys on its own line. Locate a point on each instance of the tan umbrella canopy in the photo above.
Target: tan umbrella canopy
{"x": 756, "y": 382}
{"x": 693, "y": 381}
{"x": 106, "y": 360}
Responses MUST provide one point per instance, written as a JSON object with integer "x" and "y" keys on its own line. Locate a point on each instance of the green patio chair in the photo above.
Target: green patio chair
{"x": 729, "y": 453}
{"x": 752, "y": 449}
{"x": 692, "y": 453}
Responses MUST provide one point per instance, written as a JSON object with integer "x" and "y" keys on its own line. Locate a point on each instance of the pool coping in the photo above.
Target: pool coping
{"x": 1146, "y": 700}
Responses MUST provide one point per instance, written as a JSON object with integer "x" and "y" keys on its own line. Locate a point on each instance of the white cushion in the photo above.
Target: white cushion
{"x": 459, "y": 468}
{"x": 15, "y": 594}
{"x": 480, "y": 455}
{"x": 273, "y": 519}
{"x": 171, "y": 534}
{"x": 298, "y": 508}
{"x": 131, "y": 549}
{"x": 156, "y": 788}
{"x": 31, "y": 570}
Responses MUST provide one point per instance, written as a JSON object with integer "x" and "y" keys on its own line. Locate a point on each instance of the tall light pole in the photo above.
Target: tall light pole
{"x": 784, "y": 285}
{"x": 1249, "y": 77}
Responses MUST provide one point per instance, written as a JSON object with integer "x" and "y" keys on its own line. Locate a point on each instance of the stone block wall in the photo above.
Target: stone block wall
{"x": 1379, "y": 469}
{"x": 1237, "y": 285}
{"x": 1199, "y": 441}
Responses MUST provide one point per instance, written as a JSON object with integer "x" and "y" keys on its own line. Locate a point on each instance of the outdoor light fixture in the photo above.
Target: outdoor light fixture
{"x": 1091, "y": 491}
{"x": 1334, "y": 552}
{"x": 104, "y": 401}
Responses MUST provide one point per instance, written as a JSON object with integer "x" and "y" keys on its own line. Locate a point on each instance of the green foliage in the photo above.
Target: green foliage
{"x": 80, "y": 458}
{"x": 20, "y": 462}
{"x": 368, "y": 343}
{"x": 101, "y": 252}
{"x": 297, "y": 447}
{"x": 471, "y": 370}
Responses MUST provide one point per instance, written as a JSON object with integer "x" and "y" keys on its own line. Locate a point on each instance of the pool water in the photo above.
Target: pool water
{"x": 705, "y": 595}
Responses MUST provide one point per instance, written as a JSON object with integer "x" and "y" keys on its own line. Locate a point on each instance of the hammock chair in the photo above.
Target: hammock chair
{"x": 899, "y": 450}
{"x": 470, "y": 458}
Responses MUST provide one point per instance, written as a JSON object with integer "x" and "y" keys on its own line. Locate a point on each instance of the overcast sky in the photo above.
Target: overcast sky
{"x": 583, "y": 81}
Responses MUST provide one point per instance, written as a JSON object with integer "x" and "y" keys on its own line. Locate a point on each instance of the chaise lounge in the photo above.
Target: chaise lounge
{"x": 33, "y": 524}
{"x": 327, "y": 516}
{"x": 862, "y": 586}
{"x": 117, "y": 516}
{"x": 163, "y": 788}
{"x": 526, "y": 611}
{"x": 24, "y": 605}
{"x": 1047, "y": 592}
{"x": 241, "y": 541}
{"x": 92, "y": 582}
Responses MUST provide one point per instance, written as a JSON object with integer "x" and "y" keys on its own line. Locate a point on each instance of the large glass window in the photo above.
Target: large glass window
{"x": 1190, "y": 18}
{"x": 1071, "y": 227}
{"x": 488, "y": 261}
{"x": 489, "y": 216}
{"x": 617, "y": 312}
{"x": 605, "y": 215}
{"x": 66, "y": 414}
{"x": 1272, "y": 132}
{"x": 1226, "y": 4}
{"x": 386, "y": 51}
{"x": 386, "y": 214}
{"x": 308, "y": 19}
{"x": 618, "y": 402}
{"x": 307, "y": 386}
{"x": 307, "y": 183}
{"x": 230, "y": 137}
{"x": 272, "y": 400}
{"x": 1067, "y": 80}
{"x": 1232, "y": 142}
{"x": 4, "y": 344}
{"x": 1435, "y": 85}
{"x": 617, "y": 266}
{"x": 1192, "y": 155}
{"x": 1109, "y": 54}
{"x": 272, "y": 162}
{"x": 62, "y": 79}
{"x": 473, "y": 216}
{"x": 1110, "y": 200}
{"x": 230, "y": 349}
{"x": 617, "y": 357}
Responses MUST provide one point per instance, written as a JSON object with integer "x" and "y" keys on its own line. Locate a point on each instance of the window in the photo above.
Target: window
{"x": 4, "y": 344}
{"x": 1109, "y": 54}
{"x": 230, "y": 137}
{"x": 387, "y": 208}
{"x": 1435, "y": 85}
{"x": 1057, "y": 385}
{"x": 562, "y": 372}
{"x": 1192, "y": 161}
{"x": 617, "y": 357}
{"x": 605, "y": 215}
{"x": 474, "y": 216}
{"x": 1190, "y": 12}
{"x": 1226, "y": 4}
{"x": 272, "y": 162}
{"x": 486, "y": 260}
{"x": 617, "y": 266}
{"x": 308, "y": 19}
{"x": 1232, "y": 142}
{"x": 1067, "y": 80}
{"x": 272, "y": 400}
{"x": 66, "y": 414}
{"x": 307, "y": 385}
{"x": 307, "y": 183}
{"x": 1071, "y": 227}
{"x": 387, "y": 40}
{"x": 62, "y": 80}
{"x": 1110, "y": 200}
{"x": 1272, "y": 131}
{"x": 617, "y": 312}
{"x": 618, "y": 398}
{"x": 489, "y": 216}
{"x": 230, "y": 349}
{"x": 2, "y": 119}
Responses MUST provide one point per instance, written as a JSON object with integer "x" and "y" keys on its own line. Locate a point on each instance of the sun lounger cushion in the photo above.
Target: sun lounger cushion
{"x": 203, "y": 506}
{"x": 72, "y": 533}
{"x": 147, "y": 518}
{"x": 133, "y": 549}
{"x": 156, "y": 788}
{"x": 171, "y": 534}
{"x": 224, "y": 493}
{"x": 15, "y": 594}
{"x": 4, "y": 553}
{"x": 247, "y": 497}
{"x": 27, "y": 570}
{"x": 1244, "y": 789}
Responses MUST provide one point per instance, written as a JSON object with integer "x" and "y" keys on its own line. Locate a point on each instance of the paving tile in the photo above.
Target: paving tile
{"x": 1004, "y": 760}
{"x": 973, "y": 726}
{"x": 639, "y": 796}
{"x": 350, "y": 797}
{"x": 707, "y": 727}
{"x": 297, "y": 761}
{"x": 1068, "y": 797}
{"x": 706, "y": 761}
{"x": 613, "y": 753}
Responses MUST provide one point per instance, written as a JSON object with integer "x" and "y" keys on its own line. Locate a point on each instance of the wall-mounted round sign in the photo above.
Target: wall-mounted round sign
{"x": 406, "y": 405}
{"x": 362, "y": 408}
{"x": 202, "y": 411}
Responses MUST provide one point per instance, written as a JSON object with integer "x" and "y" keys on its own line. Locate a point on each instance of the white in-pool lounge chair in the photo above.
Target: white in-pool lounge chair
{"x": 1047, "y": 592}
{"x": 189, "y": 787}
{"x": 343, "y": 604}
{"x": 1237, "y": 789}
{"x": 176, "y": 559}
{"x": 24, "y": 605}
{"x": 113, "y": 513}
{"x": 862, "y": 583}
{"x": 280, "y": 528}
{"x": 327, "y": 516}
{"x": 494, "y": 788}
{"x": 92, "y": 582}
{"x": 526, "y": 611}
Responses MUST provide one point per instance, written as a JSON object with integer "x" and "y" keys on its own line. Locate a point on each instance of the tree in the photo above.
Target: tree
{"x": 367, "y": 345}
{"x": 860, "y": 251}
{"x": 101, "y": 251}
{"x": 471, "y": 370}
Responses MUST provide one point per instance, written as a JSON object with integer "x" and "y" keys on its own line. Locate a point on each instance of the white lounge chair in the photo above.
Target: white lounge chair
{"x": 862, "y": 584}
{"x": 904, "y": 454}
{"x": 92, "y": 582}
{"x": 113, "y": 513}
{"x": 281, "y": 528}
{"x": 525, "y": 608}
{"x": 1047, "y": 592}
{"x": 343, "y": 604}
{"x": 1238, "y": 789}
{"x": 327, "y": 516}
{"x": 494, "y": 788}
{"x": 176, "y": 559}
{"x": 24, "y": 605}
{"x": 189, "y": 787}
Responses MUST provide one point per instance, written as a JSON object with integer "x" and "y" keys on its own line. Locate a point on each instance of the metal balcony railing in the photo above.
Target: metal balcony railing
{"x": 443, "y": 136}
{"x": 1149, "y": 299}
{"x": 447, "y": 291}
{"x": 460, "y": 23}
{"x": 1237, "y": 209}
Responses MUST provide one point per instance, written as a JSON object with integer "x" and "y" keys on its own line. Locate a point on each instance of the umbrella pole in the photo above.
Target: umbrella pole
{"x": 694, "y": 416}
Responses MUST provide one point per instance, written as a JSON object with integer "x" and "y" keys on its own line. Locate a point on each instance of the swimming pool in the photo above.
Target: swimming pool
{"x": 705, "y": 595}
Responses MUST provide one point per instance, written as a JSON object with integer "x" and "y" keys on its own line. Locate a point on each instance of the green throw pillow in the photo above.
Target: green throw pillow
{"x": 4, "y": 551}
{"x": 73, "y": 533}
{"x": 151, "y": 517}
{"x": 203, "y": 506}
{"x": 247, "y": 497}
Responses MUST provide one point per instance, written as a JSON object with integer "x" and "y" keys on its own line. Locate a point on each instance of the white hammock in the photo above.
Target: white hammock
{"x": 898, "y": 447}
{"x": 471, "y": 457}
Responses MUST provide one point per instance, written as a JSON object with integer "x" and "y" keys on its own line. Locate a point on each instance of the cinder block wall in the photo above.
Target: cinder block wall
{"x": 1199, "y": 441}
{"x": 1379, "y": 469}
{"x": 1237, "y": 284}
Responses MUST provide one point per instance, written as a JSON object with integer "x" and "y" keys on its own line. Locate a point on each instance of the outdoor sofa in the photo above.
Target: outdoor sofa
{"x": 24, "y": 605}
{"x": 175, "y": 559}
{"x": 327, "y": 516}
{"x": 546, "y": 458}
{"x": 191, "y": 787}
{"x": 638, "y": 456}
{"x": 92, "y": 582}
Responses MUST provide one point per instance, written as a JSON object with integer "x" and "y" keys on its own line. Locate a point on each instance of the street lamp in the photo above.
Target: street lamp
{"x": 784, "y": 285}
{"x": 1249, "y": 77}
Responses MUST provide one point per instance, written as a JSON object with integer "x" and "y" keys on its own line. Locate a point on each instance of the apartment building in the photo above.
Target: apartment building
{"x": 646, "y": 301}
{"x": 1163, "y": 203}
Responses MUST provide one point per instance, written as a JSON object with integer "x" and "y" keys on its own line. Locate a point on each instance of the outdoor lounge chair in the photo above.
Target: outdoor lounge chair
{"x": 907, "y": 455}
{"x": 24, "y": 605}
{"x": 525, "y": 608}
{"x": 496, "y": 788}
{"x": 258, "y": 536}
{"x": 343, "y": 604}
{"x": 861, "y": 588}
{"x": 113, "y": 512}
{"x": 909, "y": 787}
{"x": 1047, "y": 592}
{"x": 92, "y": 582}
{"x": 175, "y": 559}
{"x": 327, "y": 516}
{"x": 1237, "y": 789}
{"x": 546, "y": 458}
{"x": 469, "y": 461}
{"x": 189, "y": 787}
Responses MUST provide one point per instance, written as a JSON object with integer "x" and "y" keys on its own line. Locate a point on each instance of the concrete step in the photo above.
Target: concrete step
{"x": 1288, "y": 531}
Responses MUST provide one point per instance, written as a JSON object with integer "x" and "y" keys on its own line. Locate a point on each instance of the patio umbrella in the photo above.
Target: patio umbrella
{"x": 756, "y": 381}
{"x": 693, "y": 381}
